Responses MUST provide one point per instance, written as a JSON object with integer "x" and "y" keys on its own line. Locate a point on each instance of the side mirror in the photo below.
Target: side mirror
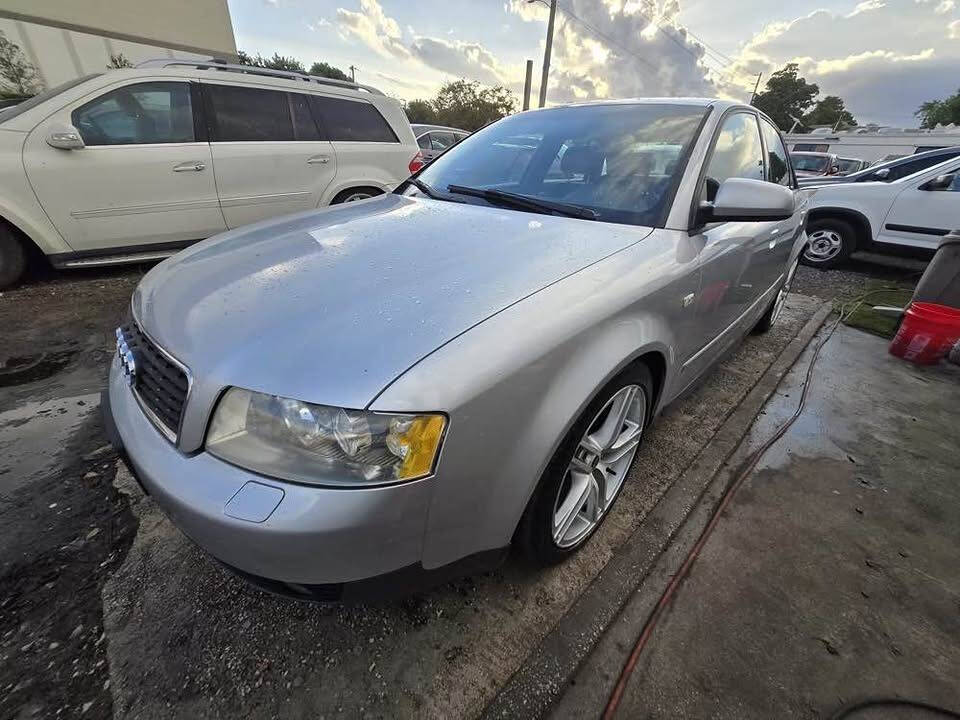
{"x": 940, "y": 182}
{"x": 882, "y": 173}
{"x": 744, "y": 200}
{"x": 834, "y": 169}
{"x": 64, "y": 137}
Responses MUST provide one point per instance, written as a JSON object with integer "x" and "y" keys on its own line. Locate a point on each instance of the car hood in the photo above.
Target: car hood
{"x": 332, "y": 306}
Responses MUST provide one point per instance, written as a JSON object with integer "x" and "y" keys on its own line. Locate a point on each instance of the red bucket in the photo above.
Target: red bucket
{"x": 927, "y": 333}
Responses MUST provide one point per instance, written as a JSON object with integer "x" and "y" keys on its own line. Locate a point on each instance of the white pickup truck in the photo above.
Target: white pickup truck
{"x": 914, "y": 211}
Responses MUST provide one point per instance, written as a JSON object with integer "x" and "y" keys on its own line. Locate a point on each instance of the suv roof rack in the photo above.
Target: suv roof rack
{"x": 219, "y": 64}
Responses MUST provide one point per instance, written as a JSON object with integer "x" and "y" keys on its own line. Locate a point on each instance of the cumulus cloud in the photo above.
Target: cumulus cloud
{"x": 882, "y": 72}
{"x": 374, "y": 28}
{"x": 617, "y": 48}
{"x": 460, "y": 59}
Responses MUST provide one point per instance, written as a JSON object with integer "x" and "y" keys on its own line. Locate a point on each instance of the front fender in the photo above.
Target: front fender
{"x": 514, "y": 384}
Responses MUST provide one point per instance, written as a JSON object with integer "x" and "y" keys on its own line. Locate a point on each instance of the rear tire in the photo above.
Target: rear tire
{"x": 540, "y": 534}
{"x": 355, "y": 194}
{"x": 829, "y": 243}
{"x": 13, "y": 257}
{"x": 773, "y": 312}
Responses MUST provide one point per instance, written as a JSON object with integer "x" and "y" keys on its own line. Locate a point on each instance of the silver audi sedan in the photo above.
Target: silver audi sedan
{"x": 375, "y": 397}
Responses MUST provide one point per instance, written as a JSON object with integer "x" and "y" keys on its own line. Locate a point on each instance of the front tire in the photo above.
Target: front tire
{"x": 830, "y": 242}
{"x": 588, "y": 470}
{"x": 13, "y": 257}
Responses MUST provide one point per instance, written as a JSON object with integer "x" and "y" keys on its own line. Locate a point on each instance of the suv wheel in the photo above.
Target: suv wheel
{"x": 829, "y": 243}
{"x": 587, "y": 473}
{"x": 13, "y": 257}
{"x": 354, "y": 194}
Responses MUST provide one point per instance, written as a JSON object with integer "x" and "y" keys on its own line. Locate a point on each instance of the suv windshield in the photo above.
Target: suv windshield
{"x": 810, "y": 163}
{"x": 619, "y": 161}
{"x": 20, "y": 108}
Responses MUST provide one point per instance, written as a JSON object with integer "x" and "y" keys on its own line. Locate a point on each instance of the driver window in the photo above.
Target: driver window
{"x": 154, "y": 112}
{"x": 737, "y": 153}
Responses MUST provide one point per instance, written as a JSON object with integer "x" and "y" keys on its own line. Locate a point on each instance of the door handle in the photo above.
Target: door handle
{"x": 318, "y": 160}
{"x": 189, "y": 167}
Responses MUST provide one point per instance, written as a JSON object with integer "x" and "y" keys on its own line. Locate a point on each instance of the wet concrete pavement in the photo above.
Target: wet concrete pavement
{"x": 833, "y": 575}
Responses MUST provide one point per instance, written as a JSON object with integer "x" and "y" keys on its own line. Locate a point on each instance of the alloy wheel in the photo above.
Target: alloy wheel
{"x": 599, "y": 466}
{"x": 823, "y": 245}
{"x": 353, "y": 197}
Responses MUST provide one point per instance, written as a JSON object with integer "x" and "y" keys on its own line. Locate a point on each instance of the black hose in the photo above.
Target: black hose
{"x": 848, "y": 710}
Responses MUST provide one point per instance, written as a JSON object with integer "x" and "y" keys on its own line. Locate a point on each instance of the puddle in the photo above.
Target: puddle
{"x": 20, "y": 370}
{"x": 33, "y": 434}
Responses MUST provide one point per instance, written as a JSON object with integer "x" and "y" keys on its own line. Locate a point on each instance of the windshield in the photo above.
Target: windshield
{"x": 810, "y": 163}
{"x": 620, "y": 161}
{"x": 20, "y": 108}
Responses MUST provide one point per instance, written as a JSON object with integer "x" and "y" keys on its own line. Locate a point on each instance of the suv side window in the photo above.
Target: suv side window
{"x": 737, "y": 153}
{"x": 778, "y": 166}
{"x": 150, "y": 112}
{"x": 911, "y": 167}
{"x": 241, "y": 114}
{"x": 351, "y": 120}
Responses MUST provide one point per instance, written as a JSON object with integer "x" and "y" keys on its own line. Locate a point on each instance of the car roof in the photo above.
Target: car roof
{"x": 424, "y": 127}
{"x": 816, "y": 154}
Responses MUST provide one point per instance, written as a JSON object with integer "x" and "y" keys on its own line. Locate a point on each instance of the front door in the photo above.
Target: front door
{"x": 145, "y": 177}
{"x": 268, "y": 152}
{"x": 919, "y": 217}
{"x": 733, "y": 255}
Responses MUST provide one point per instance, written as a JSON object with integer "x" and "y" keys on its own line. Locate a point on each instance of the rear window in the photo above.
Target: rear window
{"x": 239, "y": 114}
{"x": 351, "y": 120}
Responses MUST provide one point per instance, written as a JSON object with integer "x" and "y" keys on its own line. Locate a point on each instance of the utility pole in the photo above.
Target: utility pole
{"x": 353, "y": 73}
{"x": 546, "y": 54}
{"x": 757, "y": 85}
{"x": 528, "y": 80}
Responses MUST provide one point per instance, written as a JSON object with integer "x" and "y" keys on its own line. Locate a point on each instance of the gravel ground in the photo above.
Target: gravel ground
{"x": 860, "y": 274}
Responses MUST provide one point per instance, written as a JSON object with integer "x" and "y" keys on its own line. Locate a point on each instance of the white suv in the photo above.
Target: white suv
{"x": 132, "y": 165}
{"x": 912, "y": 212}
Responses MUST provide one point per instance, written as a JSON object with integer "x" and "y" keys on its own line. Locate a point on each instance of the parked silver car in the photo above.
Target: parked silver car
{"x": 390, "y": 392}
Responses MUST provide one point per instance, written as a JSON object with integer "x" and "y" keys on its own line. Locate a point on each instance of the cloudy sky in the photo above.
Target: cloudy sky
{"x": 884, "y": 57}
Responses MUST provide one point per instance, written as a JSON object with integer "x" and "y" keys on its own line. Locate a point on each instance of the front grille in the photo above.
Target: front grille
{"x": 160, "y": 384}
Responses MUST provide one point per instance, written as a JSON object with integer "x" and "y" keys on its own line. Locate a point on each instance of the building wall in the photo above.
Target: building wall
{"x": 199, "y": 26}
{"x": 60, "y": 55}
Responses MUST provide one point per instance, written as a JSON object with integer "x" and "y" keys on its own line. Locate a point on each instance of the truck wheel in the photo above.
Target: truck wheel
{"x": 830, "y": 242}
{"x": 13, "y": 257}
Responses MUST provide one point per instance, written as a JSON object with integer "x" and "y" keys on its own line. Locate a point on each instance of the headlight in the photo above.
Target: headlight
{"x": 303, "y": 442}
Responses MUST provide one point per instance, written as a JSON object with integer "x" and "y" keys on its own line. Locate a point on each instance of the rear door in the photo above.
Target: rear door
{"x": 269, "y": 155}
{"x": 369, "y": 153}
{"x": 919, "y": 216}
{"x": 144, "y": 177}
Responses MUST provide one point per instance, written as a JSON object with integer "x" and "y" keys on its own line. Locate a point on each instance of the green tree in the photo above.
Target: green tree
{"x": 463, "y": 104}
{"x": 940, "y": 112}
{"x": 328, "y": 71}
{"x": 277, "y": 62}
{"x": 786, "y": 96}
{"x": 17, "y": 76}
{"x": 829, "y": 111}
{"x": 118, "y": 61}
{"x": 421, "y": 111}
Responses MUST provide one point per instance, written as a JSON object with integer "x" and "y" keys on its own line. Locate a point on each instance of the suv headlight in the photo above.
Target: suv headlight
{"x": 322, "y": 445}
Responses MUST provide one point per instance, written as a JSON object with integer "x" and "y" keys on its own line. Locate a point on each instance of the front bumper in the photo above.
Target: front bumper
{"x": 312, "y": 537}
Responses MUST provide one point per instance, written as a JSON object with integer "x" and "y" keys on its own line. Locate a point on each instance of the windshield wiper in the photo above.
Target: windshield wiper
{"x": 425, "y": 189}
{"x": 525, "y": 202}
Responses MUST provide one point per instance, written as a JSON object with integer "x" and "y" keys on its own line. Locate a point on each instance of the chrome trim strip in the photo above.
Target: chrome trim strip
{"x": 734, "y": 324}
{"x": 141, "y": 209}
{"x": 174, "y": 438}
{"x": 263, "y": 199}
{"x": 118, "y": 259}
